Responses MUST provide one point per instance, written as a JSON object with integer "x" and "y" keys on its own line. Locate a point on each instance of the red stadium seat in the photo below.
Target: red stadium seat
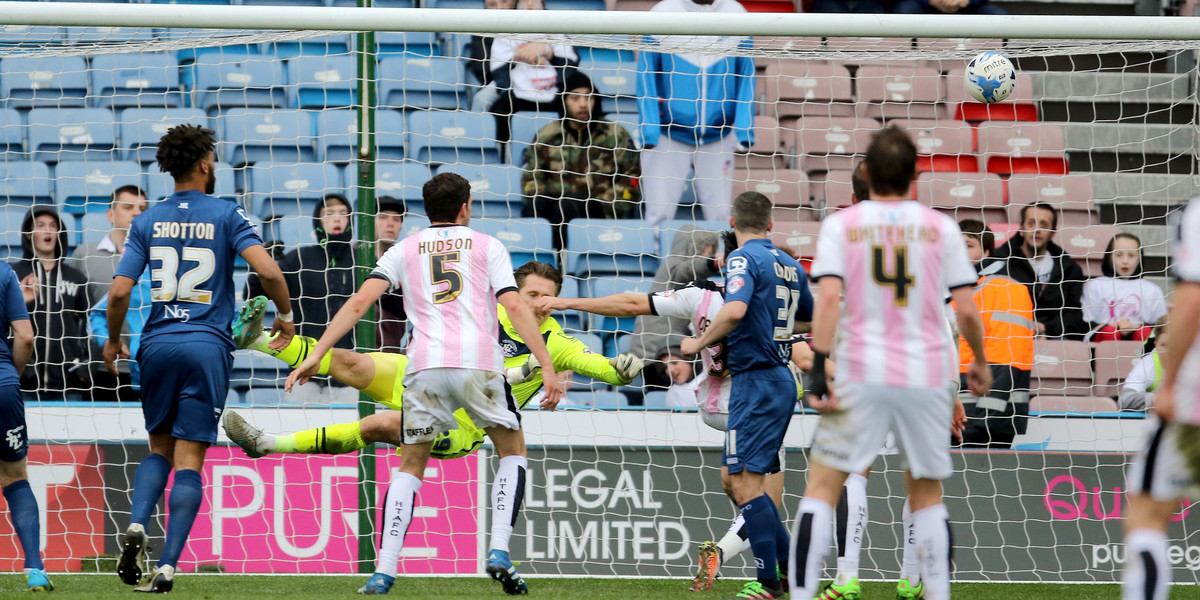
{"x": 1073, "y": 404}
{"x": 1020, "y": 106}
{"x": 801, "y": 88}
{"x": 1114, "y": 360}
{"x": 963, "y": 195}
{"x": 827, "y": 144}
{"x": 1010, "y": 148}
{"x": 1086, "y": 245}
{"x": 784, "y": 187}
{"x": 839, "y": 192}
{"x": 768, "y": 151}
{"x": 1003, "y": 231}
{"x": 899, "y": 92}
{"x": 1061, "y": 367}
{"x": 1070, "y": 194}
{"x": 800, "y": 237}
{"x": 942, "y": 145}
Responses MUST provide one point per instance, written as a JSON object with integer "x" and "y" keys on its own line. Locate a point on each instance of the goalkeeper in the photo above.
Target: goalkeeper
{"x": 380, "y": 376}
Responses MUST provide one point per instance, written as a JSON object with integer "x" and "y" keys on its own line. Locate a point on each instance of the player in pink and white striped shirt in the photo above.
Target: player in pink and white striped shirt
{"x": 451, "y": 277}
{"x": 895, "y": 259}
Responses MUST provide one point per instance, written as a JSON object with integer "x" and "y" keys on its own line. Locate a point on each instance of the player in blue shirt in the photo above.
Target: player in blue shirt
{"x": 22, "y": 505}
{"x": 766, "y": 301}
{"x": 189, "y": 241}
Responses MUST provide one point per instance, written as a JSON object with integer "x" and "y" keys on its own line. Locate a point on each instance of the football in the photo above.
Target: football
{"x": 990, "y": 77}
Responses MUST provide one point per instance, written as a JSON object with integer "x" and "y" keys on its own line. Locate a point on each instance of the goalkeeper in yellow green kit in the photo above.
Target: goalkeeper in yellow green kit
{"x": 380, "y": 376}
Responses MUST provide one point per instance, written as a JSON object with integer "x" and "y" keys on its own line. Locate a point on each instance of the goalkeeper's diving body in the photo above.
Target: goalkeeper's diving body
{"x": 380, "y": 376}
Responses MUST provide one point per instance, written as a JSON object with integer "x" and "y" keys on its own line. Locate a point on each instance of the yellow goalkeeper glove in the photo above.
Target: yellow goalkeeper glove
{"x": 628, "y": 367}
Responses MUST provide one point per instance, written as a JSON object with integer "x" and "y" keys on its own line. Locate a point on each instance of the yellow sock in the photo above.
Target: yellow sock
{"x": 295, "y": 352}
{"x": 332, "y": 439}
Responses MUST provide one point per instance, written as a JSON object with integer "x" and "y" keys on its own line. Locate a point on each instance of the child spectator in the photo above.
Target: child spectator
{"x": 1143, "y": 380}
{"x": 1121, "y": 305}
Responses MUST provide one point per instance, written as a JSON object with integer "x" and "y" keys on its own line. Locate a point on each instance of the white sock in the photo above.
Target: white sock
{"x": 508, "y": 491}
{"x": 851, "y": 528}
{"x": 932, "y": 528}
{"x": 397, "y": 516}
{"x": 735, "y": 540}
{"x": 1147, "y": 572}
{"x": 910, "y": 566}
{"x": 810, "y": 544}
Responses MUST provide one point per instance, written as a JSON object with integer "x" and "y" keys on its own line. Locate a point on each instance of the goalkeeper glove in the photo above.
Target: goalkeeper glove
{"x": 523, "y": 373}
{"x": 627, "y": 365}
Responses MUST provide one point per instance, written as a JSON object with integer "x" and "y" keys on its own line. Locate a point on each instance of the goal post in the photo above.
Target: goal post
{"x": 309, "y": 101}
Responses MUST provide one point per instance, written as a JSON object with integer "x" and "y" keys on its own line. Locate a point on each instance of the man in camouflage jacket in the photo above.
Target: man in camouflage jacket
{"x": 580, "y": 165}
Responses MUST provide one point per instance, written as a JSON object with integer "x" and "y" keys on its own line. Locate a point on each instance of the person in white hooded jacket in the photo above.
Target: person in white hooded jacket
{"x": 696, "y": 110}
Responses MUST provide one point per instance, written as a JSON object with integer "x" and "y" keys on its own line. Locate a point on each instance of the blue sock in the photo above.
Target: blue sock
{"x": 182, "y": 506}
{"x": 783, "y": 540}
{"x": 149, "y": 481}
{"x": 761, "y": 524}
{"x": 23, "y": 510}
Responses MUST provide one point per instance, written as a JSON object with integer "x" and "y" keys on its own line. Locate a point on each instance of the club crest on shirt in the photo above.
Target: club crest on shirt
{"x": 736, "y": 265}
{"x": 735, "y": 284}
{"x": 509, "y": 347}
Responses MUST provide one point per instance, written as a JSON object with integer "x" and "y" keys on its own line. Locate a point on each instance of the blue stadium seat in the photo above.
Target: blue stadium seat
{"x": 291, "y": 189}
{"x": 600, "y": 400}
{"x": 12, "y": 136}
{"x": 670, "y": 228}
{"x": 403, "y": 180}
{"x": 68, "y": 134}
{"x": 593, "y": 341}
{"x": 96, "y": 35}
{"x": 617, "y": 84}
{"x": 575, "y": 5}
{"x": 256, "y": 370}
{"x": 413, "y": 224}
{"x": 29, "y": 35}
{"x": 11, "y": 218}
{"x": 137, "y": 80}
{"x": 322, "y": 81}
{"x": 93, "y": 226}
{"x": 205, "y": 2}
{"x": 379, "y": 3}
{"x": 450, "y": 137}
{"x": 606, "y": 286}
{"x": 337, "y": 135}
{"x": 24, "y": 182}
{"x": 85, "y": 186}
{"x": 283, "y": 2}
{"x": 229, "y": 80}
{"x": 496, "y": 189}
{"x": 524, "y": 127}
{"x": 160, "y": 185}
{"x": 526, "y": 239}
{"x": 141, "y": 128}
{"x": 654, "y": 400}
{"x": 59, "y": 82}
{"x": 632, "y": 123}
{"x": 420, "y": 82}
{"x": 454, "y": 3}
{"x": 611, "y": 246}
{"x": 417, "y": 43}
{"x": 254, "y": 135}
{"x": 320, "y": 46}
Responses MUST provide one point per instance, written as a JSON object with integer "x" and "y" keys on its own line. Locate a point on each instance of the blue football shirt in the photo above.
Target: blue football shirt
{"x": 11, "y": 309}
{"x": 775, "y": 289}
{"x": 189, "y": 241}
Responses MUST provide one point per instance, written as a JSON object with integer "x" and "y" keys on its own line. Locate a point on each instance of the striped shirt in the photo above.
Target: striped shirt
{"x": 450, "y": 277}
{"x": 897, "y": 260}
{"x": 1187, "y": 269}
{"x": 700, "y": 303}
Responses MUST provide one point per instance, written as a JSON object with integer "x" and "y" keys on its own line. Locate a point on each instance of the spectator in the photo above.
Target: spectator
{"x": 98, "y": 261}
{"x": 140, "y": 301}
{"x": 580, "y": 165}
{"x": 696, "y": 110}
{"x": 1055, "y": 280}
{"x": 479, "y": 58}
{"x": 680, "y": 372}
{"x": 1138, "y": 391}
{"x": 693, "y": 256}
{"x": 527, "y": 75}
{"x": 56, "y": 299}
{"x": 1007, "y": 311}
{"x": 953, "y": 7}
{"x": 389, "y": 221}
{"x": 1121, "y": 305}
{"x": 843, "y": 6}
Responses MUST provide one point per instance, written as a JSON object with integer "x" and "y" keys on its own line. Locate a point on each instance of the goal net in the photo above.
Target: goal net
{"x": 625, "y": 480}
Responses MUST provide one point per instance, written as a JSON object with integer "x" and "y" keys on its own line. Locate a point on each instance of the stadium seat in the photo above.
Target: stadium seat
{"x": 827, "y": 144}
{"x": 599, "y": 400}
{"x": 593, "y": 341}
{"x": 977, "y": 196}
{"x": 378, "y": 3}
{"x": 1011, "y": 148}
{"x": 12, "y": 216}
{"x": 524, "y": 127}
{"x": 144, "y": 80}
{"x": 160, "y": 185}
{"x": 655, "y": 400}
{"x": 1071, "y": 194}
{"x": 413, "y": 224}
{"x": 769, "y": 150}
{"x": 631, "y": 123}
{"x": 411, "y": 43}
{"x": 1061, "y": 367}
{"x": 257, "y": 370}
{"x": 337, "y": 135}
{"x": 12, "y": 136}
{"x": 291, "y": 189}
{"x": 1003, "y": 231}
{"x": 1112, "y": 364}
{"x": 837, "y": 191}
{"x": 616, "y": 83}
{"x": 669, "y": 229}
{"x": 282, "y": 2}
{"x": 951, "y": 45}
{"x": 607, "y": 286}
{"x": 228, "y": 80}
{"x": 1086, "y": 245}
{"x": 15, "y": 36}
{"x": 800, "y": 236}
{"x": 942, "y": 145}
{"x": 69, "y": 134}
{"x": 93, "y": 226}
{"x": 318, "y": 46}
{"x": 526, "y": 239}
{"x": 807, "y": 89}
{"x": 899, "y": 92}
{"x": 786, "y": 188}
{"x": 1072, "y": 404}
{"x": 496, "y": 189}
{"x": 57, "y": 81}
{"x": 403, "y": 180}
{"x": 611, "y": 246}
{"x": 85, "y": 186}
{"x": 24, "y": 183}
{"x": 450, "y": 137}
{"x": 141, "y": 128}
{"x": 1020, "y": 105}
{"x": 410, "y": 82}
{"x": 254, "y": 135}
{"x": 322, "y": 81}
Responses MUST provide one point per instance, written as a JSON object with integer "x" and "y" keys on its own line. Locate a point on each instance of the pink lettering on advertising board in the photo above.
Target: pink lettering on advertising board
{"x": 298, "y": 514}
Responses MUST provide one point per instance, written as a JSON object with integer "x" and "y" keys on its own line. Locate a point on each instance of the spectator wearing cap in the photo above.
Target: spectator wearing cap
{"x": 389, "y": 220}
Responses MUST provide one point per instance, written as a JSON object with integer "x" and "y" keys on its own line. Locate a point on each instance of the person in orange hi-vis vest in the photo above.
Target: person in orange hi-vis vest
{"x": 1007, "y": 310}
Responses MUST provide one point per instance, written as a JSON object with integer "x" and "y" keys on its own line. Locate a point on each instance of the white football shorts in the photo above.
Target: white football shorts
{"x": 432, "y": 395}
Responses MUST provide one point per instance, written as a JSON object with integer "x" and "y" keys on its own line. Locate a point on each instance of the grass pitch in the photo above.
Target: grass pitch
{"x": 231, "y": 587}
